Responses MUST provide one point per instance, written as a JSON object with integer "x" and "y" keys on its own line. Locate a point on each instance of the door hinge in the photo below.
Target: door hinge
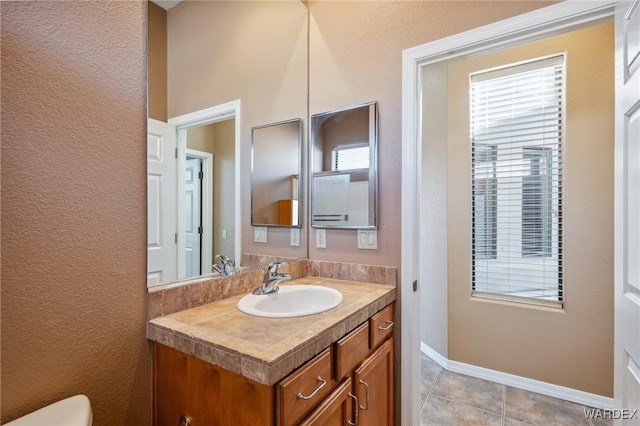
{"x": 176, "y": 153}
{"x": 415, "y": 285}
{"x": 200, "y": 175}
{"x": 176, "y": 238}
{"x": 199, "y": 229}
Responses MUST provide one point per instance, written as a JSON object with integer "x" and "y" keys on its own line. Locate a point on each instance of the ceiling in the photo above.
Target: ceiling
{"x": 166, "y": 4}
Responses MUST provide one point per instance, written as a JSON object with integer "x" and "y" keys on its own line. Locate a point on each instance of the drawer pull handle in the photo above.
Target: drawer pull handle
{"x": 184, "y": 421}
{"x": 322, "y": 383}
{"x": 389, "y": 325}
{"x": 366, "y": 399}
{"x": 355, "y": 411}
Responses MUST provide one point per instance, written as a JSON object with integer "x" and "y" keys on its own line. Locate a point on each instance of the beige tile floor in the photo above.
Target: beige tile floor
{"x": 451, "y": 399}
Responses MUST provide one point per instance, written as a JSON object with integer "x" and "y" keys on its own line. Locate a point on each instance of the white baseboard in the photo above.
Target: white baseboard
{"x": 549, "y": 389}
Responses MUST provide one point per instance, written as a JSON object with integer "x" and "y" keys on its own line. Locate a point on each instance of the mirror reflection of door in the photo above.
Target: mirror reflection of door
{"x": 193, "y": 216}
{"x": 161, "y": 201}
{"x": 206, "y": 221}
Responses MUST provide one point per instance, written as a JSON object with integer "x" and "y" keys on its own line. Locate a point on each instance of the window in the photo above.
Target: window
{"x": 350, "y": 157}
{"x": 516, "y": 115}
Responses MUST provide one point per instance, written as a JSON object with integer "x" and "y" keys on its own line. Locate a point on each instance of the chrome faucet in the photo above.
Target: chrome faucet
{"x": 226, "y": 266}
{"x": 272, "y": 278}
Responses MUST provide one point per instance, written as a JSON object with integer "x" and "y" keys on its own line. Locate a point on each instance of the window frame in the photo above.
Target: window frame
{"x": 555, "y": 215}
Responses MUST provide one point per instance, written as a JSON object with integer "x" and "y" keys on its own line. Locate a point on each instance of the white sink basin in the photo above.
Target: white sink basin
{"x": 291, "y": 301}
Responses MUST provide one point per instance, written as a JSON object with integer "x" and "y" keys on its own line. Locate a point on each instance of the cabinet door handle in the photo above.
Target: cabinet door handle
{"x": 389, "y": 325}
{"x": 322, "y": 383}
{"x": 184, "y": 421}
{"x": 355, "y": 411}
{"x": 366, "y": 398}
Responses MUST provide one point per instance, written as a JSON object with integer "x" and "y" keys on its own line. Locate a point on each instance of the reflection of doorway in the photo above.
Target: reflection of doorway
{"x": 193, "y": 216}
{"x": 198, "y": 203}
{"x": 193, "y": 135}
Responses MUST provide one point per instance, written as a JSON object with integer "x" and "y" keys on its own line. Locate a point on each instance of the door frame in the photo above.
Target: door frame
{"x": 214, "y": 114}
{"x": 206, "y": 200}
{"x": 544, "y": 22}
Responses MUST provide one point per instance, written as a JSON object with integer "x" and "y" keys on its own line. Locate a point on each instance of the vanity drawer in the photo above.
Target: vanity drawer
{"x": 304, "y": 389}
{"x": 381, "y": 326}
{"x": 351, "y": 350}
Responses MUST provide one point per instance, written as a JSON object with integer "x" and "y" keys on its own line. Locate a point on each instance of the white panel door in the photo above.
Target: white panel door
{"x": 627, "y": 213}
{"x": 193, "y": 216}
{"x": 162, "y": 254}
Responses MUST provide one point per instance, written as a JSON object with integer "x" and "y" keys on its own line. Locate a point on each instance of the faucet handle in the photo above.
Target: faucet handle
{"x": 273, "y": 268}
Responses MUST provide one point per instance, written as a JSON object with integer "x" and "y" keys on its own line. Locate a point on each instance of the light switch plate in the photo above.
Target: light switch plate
{"x": 260, "y": 234}
{"x": 367, "y": 240}
{"x": 321, "y": 238}
{"x": 295, "y": 237}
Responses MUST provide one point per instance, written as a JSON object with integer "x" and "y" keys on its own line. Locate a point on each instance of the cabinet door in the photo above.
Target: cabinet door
{"x": 336, "y": 410}
{"x": 373, "y": 382}
{"x": 206, "y": 394}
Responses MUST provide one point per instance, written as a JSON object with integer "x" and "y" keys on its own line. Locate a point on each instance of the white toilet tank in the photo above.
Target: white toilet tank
{"x": 73, "y": 411}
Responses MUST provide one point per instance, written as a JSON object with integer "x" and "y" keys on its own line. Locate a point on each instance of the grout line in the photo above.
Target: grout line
{"x": 431, "y": 386}
{"x": 468, "y": 406}
{"x": 504, "y": 403}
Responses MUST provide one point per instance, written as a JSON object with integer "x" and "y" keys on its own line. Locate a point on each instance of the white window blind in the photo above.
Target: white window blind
{"x": 350, "y": 157}
{"x": 517, "y": 120}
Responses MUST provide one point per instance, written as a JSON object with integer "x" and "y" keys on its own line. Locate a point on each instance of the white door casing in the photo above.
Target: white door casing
{"x": 229, "y": 110}
{"x": 627, "y": 213}
{"x": 193, "y": 218}
{"x": 161, "y": 202}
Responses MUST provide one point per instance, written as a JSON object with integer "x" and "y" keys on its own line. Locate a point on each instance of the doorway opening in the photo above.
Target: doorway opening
{"x": 536, "y": 25}
{"x": 211, "y": 135}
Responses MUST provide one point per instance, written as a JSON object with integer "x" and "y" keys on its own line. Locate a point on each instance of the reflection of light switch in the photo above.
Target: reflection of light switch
{"x": 224, "y": 234}
{"x": 295, "y": 237}
{"x": 260, "y": 235}
{"x": 321, "y": 238}
{"x": 368, "y": 240}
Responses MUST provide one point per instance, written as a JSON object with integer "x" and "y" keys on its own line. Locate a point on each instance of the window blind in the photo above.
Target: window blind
{"x": 516, "y": 125}
{"x": 350, "y": 157}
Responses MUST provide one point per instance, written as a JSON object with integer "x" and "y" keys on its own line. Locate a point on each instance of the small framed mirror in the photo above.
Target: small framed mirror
{"x": 276, "y": 162}
{"x": 344, "y": 166}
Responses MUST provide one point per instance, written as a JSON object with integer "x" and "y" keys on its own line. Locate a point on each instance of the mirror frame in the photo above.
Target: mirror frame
{"x": 300, "y": 196}
{"x": 373, "y": 165}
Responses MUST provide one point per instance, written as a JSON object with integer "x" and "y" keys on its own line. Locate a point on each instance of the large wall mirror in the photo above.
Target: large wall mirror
{"x": 276, "y": 163}
{"x": 344, "y": 184}
{"x": 216, "y": 53}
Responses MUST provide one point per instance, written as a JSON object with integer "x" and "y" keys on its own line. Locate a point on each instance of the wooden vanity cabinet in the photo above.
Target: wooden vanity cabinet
{"x": 335, "y": 410}
{"x": 364, "y": 365}
{"x": 323, "y": 391}
{"x": 202, "y": 394}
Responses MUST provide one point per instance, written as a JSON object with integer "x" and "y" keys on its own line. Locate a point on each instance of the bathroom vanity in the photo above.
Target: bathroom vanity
{"x": 216, "y": 365}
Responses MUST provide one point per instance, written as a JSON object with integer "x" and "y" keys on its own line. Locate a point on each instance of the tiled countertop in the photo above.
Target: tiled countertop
{"x": 267, "y": 349}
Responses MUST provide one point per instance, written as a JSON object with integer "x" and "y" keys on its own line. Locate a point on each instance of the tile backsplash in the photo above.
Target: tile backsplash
{"x": 168, "y": 299}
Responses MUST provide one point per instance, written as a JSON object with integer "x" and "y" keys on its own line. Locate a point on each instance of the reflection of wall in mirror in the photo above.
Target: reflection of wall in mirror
{"x": 276, "y": 164}
{"x": 344, "y": 128}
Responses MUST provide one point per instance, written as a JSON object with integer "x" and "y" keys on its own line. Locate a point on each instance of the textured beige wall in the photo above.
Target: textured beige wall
{"x": 355, "y": 56}
{"x": 224, "y": 186}
{"x": 73, "y": 208}
{"x": 157, "y": 62}
{"x": 433, "y": 207}
{"x": 572, "y": 347}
